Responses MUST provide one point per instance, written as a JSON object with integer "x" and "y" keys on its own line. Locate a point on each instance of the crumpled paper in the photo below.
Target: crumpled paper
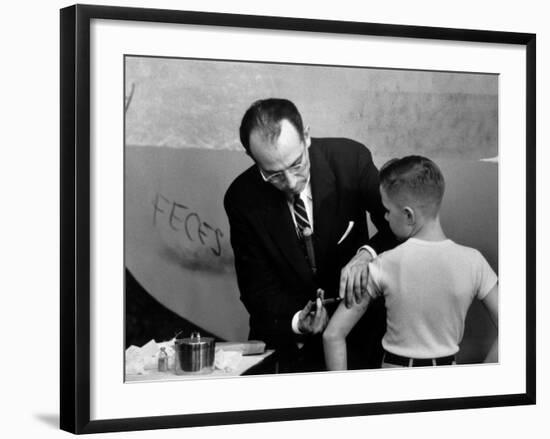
{"x": 228, "y": 361}
{"x": 141, "y": 360}
{"x": 134, "y": 363}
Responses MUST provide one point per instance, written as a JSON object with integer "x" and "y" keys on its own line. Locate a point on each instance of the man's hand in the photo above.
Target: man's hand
{"x": 313, "y": 319}
{"x": 354, "y": 277}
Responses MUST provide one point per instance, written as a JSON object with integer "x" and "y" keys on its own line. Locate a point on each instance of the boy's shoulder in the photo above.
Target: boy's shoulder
{"x": 415, "y": 245}
{"x": 394, "y": 254}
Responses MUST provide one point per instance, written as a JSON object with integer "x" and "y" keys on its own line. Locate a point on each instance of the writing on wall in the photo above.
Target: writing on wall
{"x": 182, "y": 218}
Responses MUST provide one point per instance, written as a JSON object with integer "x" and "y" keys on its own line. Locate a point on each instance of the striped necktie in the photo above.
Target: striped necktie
{"x": 300, "y": 215}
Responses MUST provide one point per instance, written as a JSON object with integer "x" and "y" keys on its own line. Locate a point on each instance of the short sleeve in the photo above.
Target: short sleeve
{"x": 373, "y": 284}
{"x": 485, "y": 276}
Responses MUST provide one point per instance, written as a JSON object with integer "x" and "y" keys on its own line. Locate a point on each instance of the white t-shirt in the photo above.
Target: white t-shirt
{"x": 428, "y": 287}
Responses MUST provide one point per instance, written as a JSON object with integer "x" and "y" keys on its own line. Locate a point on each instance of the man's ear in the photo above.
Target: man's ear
{"x": 307, "y": 138}
{"x": 410, "y": 215}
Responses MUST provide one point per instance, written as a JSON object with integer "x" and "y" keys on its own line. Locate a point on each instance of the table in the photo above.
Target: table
{"x": 248, "y": 365}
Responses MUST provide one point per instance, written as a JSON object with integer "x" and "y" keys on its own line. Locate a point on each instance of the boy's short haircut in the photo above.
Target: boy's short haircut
{"x": 415, "y": 178}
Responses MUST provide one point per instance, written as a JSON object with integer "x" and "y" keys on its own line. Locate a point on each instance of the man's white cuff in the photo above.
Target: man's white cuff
{"x": 369, "y": 249}
{"x": 295, "y": 320}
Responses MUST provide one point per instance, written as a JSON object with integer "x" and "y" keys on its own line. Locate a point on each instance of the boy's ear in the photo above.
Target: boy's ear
{"x": 410, "y": 215}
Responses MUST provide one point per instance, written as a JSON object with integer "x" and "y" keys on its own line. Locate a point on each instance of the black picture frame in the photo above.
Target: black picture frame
{"x": 75, "y": 216}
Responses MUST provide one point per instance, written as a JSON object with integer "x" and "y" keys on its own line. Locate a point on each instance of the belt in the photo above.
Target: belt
{"x": 416, "y": 362}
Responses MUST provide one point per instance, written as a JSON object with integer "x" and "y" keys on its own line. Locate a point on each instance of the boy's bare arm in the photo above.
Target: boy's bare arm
{"x": 491, "y": 304}
{"x": 339, "y": 326}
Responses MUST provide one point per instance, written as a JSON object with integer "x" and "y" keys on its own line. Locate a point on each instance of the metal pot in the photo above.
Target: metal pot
{"x": 194, "y": 354}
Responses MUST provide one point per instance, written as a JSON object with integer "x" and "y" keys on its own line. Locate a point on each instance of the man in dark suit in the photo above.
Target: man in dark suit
{"x": 299, "y": 184}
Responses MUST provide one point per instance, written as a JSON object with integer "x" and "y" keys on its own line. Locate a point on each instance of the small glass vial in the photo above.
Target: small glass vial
{"x": 163, "y": 360}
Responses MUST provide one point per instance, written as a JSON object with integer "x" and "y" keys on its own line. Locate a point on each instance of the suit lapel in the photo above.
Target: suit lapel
{"x": 325, "y": 203}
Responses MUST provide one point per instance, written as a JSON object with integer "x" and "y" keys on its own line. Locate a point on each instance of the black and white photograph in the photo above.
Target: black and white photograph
{"x": 288, "y": 218}
{"x": 245, "y": 219}
{"x": 272, "y": 218}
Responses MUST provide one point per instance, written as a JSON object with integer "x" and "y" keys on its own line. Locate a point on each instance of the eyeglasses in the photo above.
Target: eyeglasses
{"x": 279, "y": 176}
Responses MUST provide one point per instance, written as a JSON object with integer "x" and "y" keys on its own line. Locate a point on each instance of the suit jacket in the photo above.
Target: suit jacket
{"x": 273, "y": 274}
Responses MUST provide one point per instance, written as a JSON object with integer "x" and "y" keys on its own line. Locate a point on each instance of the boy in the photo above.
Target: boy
{"x": 428, "y": 281}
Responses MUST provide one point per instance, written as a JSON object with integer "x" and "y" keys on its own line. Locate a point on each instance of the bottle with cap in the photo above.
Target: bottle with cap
{"x": 163, "y": 360}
